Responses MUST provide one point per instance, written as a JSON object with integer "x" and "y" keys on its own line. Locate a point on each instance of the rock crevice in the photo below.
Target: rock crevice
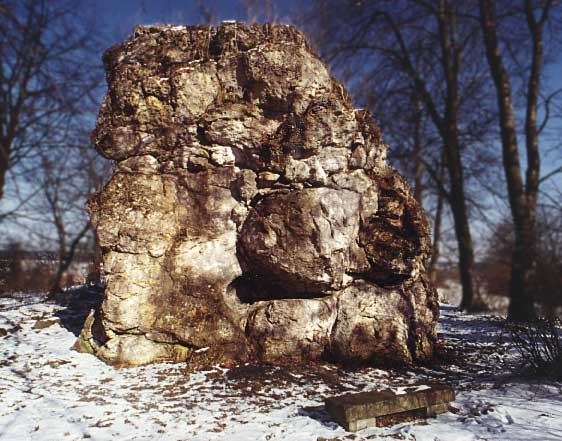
{"x": 251, "y": 211}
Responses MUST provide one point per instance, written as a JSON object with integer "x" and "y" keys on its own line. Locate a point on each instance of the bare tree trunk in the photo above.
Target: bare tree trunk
{"x": 522, "y": 197}
{"x": 447, "y": 125}
{"x": 471, "y": 300}
{"x": 15, "y": 267}
{"x": 418, "y": 189}
{"x": 206, "y": 10}
{"x": 437, "y": 229}
{"x": 65, "y": 260}
{"x": 63, "y": 265}
{"x": 6, "y": 140}
{"x": 4, "y": 164}
{"x": 2, "y": 179}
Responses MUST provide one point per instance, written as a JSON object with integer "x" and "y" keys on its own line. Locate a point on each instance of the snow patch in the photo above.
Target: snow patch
{"x": 49, "y": 392}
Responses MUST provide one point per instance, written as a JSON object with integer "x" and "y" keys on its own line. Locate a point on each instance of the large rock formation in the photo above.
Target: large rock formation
{"x": 251, "y": 215}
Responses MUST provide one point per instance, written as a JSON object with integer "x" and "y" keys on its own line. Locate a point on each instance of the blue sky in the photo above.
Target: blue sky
{"x": 119, "y": 16}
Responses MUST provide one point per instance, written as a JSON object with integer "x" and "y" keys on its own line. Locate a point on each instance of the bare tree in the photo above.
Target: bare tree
{"x": 422, "y": 47}
{"x": 57, "y": 201}
{"x": 206, "y": 10}
{"x": 437, "y": 225}
{"x": 47, "y": 73}
{"x": 522, "y": 192}
{"x": 56, "y": 217}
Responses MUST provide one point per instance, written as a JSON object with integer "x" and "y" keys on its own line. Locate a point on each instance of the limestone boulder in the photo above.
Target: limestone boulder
{"x": 251, "y": 216}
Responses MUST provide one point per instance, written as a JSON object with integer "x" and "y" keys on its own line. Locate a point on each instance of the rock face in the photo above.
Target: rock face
{"x": 251, "y": 215}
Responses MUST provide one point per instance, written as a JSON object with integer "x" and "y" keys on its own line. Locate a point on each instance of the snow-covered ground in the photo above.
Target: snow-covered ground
{"x": 49, "y": 392}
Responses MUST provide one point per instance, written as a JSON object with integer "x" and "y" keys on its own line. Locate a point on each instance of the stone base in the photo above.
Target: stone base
{"x": 380, "y": 409}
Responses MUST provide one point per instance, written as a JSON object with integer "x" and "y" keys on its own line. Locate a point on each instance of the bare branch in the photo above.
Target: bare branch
{"x": 550, "y": 174}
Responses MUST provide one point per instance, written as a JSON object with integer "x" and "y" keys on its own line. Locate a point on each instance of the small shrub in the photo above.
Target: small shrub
{"x": 540, "y": 344}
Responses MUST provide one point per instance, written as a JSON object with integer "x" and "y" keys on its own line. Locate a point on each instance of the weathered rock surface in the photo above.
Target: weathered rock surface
{"x": 251, "y": 215}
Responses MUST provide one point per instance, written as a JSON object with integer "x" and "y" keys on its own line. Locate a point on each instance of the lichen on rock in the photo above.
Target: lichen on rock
{"x": 251, "y": 216}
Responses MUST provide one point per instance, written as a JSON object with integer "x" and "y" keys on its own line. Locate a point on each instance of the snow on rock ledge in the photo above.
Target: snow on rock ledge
{"x": 251, "y": 211}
